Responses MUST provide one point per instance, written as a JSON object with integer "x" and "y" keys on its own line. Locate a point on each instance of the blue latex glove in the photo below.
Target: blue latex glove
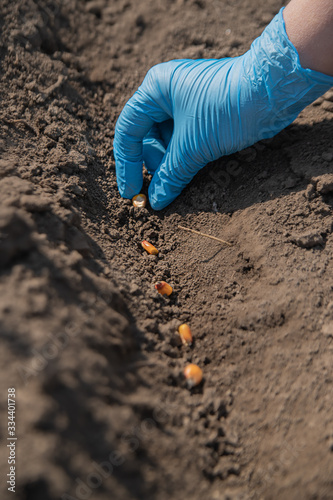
{"x": 188, "y": 113}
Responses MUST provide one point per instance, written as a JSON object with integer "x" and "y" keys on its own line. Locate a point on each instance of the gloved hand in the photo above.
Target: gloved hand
{"x": 188, "y": 113}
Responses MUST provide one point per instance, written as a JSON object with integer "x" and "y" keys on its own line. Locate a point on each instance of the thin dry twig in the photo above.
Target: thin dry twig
{"x": 204, "y": 234}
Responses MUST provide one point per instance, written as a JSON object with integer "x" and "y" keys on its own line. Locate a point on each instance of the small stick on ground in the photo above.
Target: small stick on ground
{"x": 204, "y": 234}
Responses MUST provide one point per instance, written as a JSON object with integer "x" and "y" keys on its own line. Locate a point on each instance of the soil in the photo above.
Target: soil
{"x": 90, "y": 347}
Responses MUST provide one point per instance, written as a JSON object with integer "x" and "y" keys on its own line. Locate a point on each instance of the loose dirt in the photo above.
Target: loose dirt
{"x": 91, "y": 348}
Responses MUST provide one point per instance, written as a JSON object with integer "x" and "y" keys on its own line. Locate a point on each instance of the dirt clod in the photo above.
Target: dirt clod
{"x": 308, "y": 240}
{"x": 325, "y": 184}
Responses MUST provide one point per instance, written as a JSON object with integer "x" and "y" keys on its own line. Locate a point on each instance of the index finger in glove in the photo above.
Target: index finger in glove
{"x": 149, "y": 104}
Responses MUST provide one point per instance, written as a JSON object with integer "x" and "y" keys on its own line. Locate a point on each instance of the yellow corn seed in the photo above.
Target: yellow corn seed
{"x": 163, "y": 288}
{"x": 193, "y": 375}
{"x": 185, "y": 334}
{"x": 139, "y": 200}
{"x": 149, "y": 247}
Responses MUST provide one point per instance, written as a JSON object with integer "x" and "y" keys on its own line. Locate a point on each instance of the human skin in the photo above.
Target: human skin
{"x": 309, "y": 26}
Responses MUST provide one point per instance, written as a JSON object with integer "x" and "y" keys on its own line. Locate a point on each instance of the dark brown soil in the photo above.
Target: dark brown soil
{"x": 91, "y": 348}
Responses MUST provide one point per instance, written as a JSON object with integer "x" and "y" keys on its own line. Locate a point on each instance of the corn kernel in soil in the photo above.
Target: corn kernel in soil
{"x": 193, "y": 375}
{"x": 163, "y": 288}
{"x": 149, "y": 247}
{"x": 185, "y": 334}
{"x": 139, "y": 200}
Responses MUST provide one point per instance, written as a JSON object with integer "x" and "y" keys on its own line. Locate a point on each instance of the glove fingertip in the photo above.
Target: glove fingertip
{"x": 157, "y": 204}
{"x": 161, "y": 192}
{"x": 129, "y": 178}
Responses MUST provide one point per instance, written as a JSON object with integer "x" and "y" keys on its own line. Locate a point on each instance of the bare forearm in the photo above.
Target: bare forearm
{"x": 309, "y": 25}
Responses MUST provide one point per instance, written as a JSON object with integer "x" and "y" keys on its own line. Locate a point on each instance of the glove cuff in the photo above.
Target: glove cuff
{"x": 277, "y": 72}
{"x": 283, "y": 54}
